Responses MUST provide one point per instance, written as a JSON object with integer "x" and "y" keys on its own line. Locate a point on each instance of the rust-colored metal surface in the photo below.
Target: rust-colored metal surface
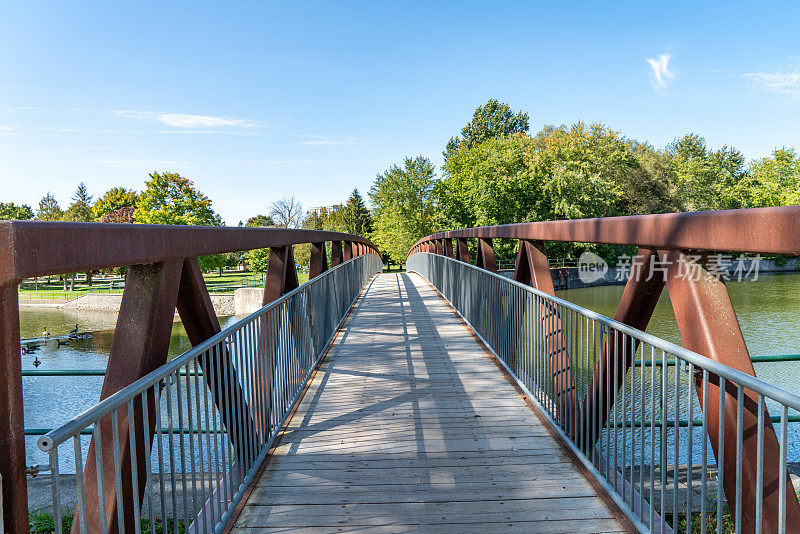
{"x": 485, "y": 255}
{"x": 12, "y": 428}
{"x": 35, "y": 248}
{"x": 462, "y": 251}
{"x": 347, "y": 251}
{"x": 765, "y": 230}
{"x": 281, "y": 274}
{"x": 635, "y": 309}
{"x": 319, "y": 260}
{"x": 706, "y": 319}
{"x": 448, "y": 248}
{"x": 709, "y": 326}
{"x": 139, "y": 346}
{"x": 532, "y": 267}
{"x": 337, "y": 256}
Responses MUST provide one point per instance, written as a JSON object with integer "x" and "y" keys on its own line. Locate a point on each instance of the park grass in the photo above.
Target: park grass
{"x": 226, "y": 282}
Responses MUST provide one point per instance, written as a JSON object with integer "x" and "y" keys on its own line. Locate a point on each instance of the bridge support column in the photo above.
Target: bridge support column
{"x": 336, "y": 253}
{"x": 347, "y": 250}
{"x": 139, "y": 346}
{"x": 532, "y": 267}
{"x": 462, "y": 250}
{"x": 281, "y": 274}
{"x": 448, "y": 247}
{"x": 439, "y": 244}
{"x": 319, "y": 260}
{"x": 485, "y": 255}
{"x": 12, "y": 431}
{"x": 709, "y": 326}
{"x": 635, "y": 309}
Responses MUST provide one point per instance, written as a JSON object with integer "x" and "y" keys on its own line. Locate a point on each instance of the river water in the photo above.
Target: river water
{"x": 768, "y": 310}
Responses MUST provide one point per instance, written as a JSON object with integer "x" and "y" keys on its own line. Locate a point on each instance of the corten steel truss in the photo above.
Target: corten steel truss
{"x": 707, "y": 322}
{"x": 163, "y": 275}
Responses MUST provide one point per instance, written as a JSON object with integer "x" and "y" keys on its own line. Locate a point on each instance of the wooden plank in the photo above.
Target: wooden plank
{"x": 409, "y": 426}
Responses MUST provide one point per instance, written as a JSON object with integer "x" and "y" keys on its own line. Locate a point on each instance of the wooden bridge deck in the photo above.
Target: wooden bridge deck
{"x": 409, "y": 426}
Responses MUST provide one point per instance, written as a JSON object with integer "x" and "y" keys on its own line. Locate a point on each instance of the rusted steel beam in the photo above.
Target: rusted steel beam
{"x": 764, "y": 230}
{"x": 139, "y": 346}
{"x": 709, "y": 326}
{"x": 448, "y": 248}
{"x": 200, "y": 321}
{"x": 347, "y": 250}
{"x": 462, "y": 250}
{"x": 485, "y": 255}
{"x": 438, "y": 247}
{"x": 319, "y": 260}
{"x": 532, "y": 267}
{"x": 39, "y": 248}
{"x": 281, "y": 274}
{"x": 635, "y": 309}
{"x": 12, "y": 429}
{"x": 337, "y": 256}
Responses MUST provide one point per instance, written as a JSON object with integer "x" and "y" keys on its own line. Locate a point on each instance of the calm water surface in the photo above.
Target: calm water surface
{"x": 768, "y": 310}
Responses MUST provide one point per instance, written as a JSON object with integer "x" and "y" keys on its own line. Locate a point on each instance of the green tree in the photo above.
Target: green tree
{"x": 354, "y": 217}
{"x": 706, "y": 179}
{"x": 169, "y": 198}
{"x": 49, "y": 210}
{"x": 258, "y": 259}
{"x": 81, "y": 208}
{"x": 774, "y": 180}
{"x": 9, "y": 210}
{"x": 490, "y": 121}
{"x": 405, "y": 207}
{"x": 113, "y": 200}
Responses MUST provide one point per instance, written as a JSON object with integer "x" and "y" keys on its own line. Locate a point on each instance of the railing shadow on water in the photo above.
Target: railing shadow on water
{"x": 211, "y": 430}
{"x": 645, "y": 438}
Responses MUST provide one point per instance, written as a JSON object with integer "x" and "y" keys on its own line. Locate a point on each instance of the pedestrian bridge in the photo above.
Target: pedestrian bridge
{"x": 447, "y": 398}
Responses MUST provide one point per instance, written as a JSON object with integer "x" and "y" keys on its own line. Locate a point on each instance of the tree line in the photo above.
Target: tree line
{"x": 169, "y": 198}
{"x": 496, "y": 172}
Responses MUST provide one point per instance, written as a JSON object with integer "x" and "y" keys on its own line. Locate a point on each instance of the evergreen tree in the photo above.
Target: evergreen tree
{"x": 354, "y": 217}
{"x": 49, "y": 210}
{"x": 81, "y": 208}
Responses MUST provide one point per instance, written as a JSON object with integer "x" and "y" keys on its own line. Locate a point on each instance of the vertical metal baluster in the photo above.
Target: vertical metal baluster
{"x": 191, "y": 434}
{"x": 604, "y": 342}
{"x": 663, "y": 432}
{"x": 615, "y": 389}
{"x": 182, "y": 448}
{"x": 739, "y": 452}
{"x": 159, "y": 435}
{"x": 641, "y": 430}
{"x": 689, "y": 460}
{"x": 76, "y": 445}
{"x": 55, "y": 487}
{"x": 101, "y": 486}
{"x": 721, "y": 449}
{"x": 652, "y": 433}
{"x": 200, "y": 431}
{"x": 170, "y": 440}
{"x": 624, "y": 408}
{"x": 704, "y": 468}
{"x": 760, "y": 463}
{"x": 118, "y": 471}
{"x": 213, "y": 450}
{"x": 148, "y": 439}
{"x": 220, "y": 442}
{"x": 134, "y": 468}
{"x": 782, "y": 472}
{"x": 676, "y": 443}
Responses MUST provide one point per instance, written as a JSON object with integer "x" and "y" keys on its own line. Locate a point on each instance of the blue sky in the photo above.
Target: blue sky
{"x": 256, "y": 101}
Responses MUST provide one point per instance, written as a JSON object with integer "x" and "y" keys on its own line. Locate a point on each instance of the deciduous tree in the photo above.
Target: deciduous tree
{"x": 9, "y": 210}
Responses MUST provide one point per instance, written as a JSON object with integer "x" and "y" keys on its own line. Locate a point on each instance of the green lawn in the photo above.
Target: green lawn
{"x": 227, "y": 282}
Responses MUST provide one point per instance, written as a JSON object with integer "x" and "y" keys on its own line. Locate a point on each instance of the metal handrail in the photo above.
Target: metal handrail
{"x": 270, "y": 354}
{"x": 528, "y": 330}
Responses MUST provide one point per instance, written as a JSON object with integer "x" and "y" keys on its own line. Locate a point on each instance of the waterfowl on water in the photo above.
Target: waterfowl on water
{"x": 60, "y": 342}
{"x": 73, "y": 332}
{"x": 36, "y": 362}
{"x": 45, "y": 333}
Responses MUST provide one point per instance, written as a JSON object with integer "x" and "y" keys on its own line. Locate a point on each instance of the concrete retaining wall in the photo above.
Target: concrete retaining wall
{"x": 223, "y": 304}
{"x": 247, "y": 300}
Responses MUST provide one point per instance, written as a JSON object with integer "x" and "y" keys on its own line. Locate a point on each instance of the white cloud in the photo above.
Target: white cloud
{"x": 659, "y": 71}
{"x": 184, "y": 120}
{"x": 144, "y": 163}
{"x": 21, "y": 109}
{"x": 785, "y": 82}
